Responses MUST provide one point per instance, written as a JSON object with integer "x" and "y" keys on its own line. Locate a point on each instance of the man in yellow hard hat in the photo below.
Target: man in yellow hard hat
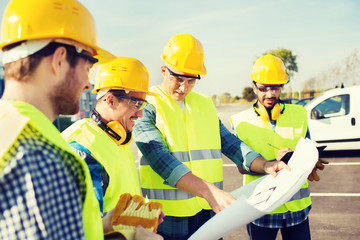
{"x": 103, "y": 140}
{"x": 273, "y": 123}
{"x": 182, "y": 139}
{"x": 46, "y": 192}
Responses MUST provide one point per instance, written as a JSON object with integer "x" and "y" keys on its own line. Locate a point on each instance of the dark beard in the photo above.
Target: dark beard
{"x": 63, "y": 100}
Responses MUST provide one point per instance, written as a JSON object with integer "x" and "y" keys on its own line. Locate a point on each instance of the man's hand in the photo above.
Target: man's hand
{"x": 282, "y": 153}
{"x": 319, "y": 165}
{"x": 261, "y": 165}
{"x": 131, "y": 211}
{"x": 107, "y": 221}
{"x": 273, "y": 167}
{"x": 218, "y": 199}
{"x": 142, "y": 234}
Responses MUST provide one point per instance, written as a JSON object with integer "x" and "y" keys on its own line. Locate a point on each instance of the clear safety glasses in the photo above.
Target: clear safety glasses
{"x": 264, "y": 89}
{"x": 134, "y": 102}
{"x": 181, "y": 79}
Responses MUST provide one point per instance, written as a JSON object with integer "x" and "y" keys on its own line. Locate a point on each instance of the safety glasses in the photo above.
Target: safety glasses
{"x": 134, "y": 102}
{"x": 265, "y": 89}
{"x": 181, "y": 79}
{"x": 79, "y": 53}
{"x": 72, "y": 51}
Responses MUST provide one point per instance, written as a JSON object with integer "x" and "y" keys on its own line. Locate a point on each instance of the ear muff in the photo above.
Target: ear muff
{"x": 114, "y": 129}
{"x": 118, "y": 129}
{"x": 275, "y": 112}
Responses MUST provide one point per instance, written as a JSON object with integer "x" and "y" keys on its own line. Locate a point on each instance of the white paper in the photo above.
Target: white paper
{"x": 263, "y": 195}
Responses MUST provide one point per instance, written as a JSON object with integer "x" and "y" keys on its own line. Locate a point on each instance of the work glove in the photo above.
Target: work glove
{"x": 131, "y": 211}
{"x": 319, "y": 165}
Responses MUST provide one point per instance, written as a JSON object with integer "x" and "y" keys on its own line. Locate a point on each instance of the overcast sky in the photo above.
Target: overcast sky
{"x": 233, "y": 33}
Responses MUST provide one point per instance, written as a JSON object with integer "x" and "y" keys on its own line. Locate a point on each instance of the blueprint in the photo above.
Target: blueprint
{"x": 262, "y": 195}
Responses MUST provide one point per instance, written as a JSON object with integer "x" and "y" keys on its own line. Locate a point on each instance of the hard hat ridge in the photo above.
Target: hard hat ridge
{"x": 53, "y": 19}
{"x": 269, "y": 70}
{"x": 122, "y": 73}
{"x": 185, "y": 53}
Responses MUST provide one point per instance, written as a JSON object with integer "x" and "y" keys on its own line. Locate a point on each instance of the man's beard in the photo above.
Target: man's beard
{"x": 64, "y": 98}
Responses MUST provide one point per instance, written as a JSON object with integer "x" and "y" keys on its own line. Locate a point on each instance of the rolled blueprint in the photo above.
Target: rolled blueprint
{"x": 263, "y": 195}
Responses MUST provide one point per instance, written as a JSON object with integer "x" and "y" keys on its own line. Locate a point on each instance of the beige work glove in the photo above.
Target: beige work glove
{"x": 131, "y": 211}
{"x": 319, "y": 165}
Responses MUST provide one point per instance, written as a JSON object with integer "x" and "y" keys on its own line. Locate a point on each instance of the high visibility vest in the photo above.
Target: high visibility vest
{"x": 118, "y": 160}
{"x": 16, "y": 115}
{"x": 256, "y": 133}
{"x": 193, "y": 137}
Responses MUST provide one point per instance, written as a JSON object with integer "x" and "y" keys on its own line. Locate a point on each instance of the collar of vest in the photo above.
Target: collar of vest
{"x": 42, "y": 123}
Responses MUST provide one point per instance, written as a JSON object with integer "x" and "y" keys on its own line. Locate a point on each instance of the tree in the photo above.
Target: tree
{"x": 225, "y": 98}
{"x": 249, "y": 94}
{"x": 287, "y": 57}
{"x": 346, "y": 72}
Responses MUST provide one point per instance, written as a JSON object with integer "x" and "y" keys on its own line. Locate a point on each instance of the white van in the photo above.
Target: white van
{"x": 334, "y": 118}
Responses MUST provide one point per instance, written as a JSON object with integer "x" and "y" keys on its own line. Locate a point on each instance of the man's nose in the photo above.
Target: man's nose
{"x": 184, "y": 85}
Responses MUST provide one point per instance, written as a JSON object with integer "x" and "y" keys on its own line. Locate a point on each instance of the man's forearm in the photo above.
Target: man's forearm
{"x": 194, "y": 185}
{"x": 258, "y": 165}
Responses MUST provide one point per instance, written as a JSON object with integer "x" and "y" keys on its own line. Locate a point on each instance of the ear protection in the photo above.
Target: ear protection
{"x": 275, "y": 112}
{"x": 114, "y": 129}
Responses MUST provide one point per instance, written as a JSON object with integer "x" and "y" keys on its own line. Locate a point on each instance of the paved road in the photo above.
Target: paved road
{"x": 336, "y": 197}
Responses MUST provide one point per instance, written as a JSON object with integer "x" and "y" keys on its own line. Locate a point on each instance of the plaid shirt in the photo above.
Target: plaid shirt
{"x": 287, "y": 219}
{"x": 152, "y": 144}
{"x": 281, "y": 220}
{"x": 41, "y": 190}
{"x": 99, "y": 176}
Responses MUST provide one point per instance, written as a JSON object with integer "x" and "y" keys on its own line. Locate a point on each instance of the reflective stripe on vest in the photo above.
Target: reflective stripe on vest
{"x": 172, "y": 194}
{"x": 290, "y": 127}
{"x": 193, "y": 137}
{"x": 118, "y": 161}
{"x": 27, "y": 114}
{"x": 195, "y": 155}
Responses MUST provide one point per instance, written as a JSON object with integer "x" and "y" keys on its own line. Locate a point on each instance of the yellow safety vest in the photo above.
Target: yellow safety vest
{"x": 118, "y": 161}
{"x": 290, "y": 127}
{"x": 17, "y": 115}
{"x": 193, "y": 137}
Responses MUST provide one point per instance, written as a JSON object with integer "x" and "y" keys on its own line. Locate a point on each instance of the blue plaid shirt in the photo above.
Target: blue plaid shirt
{"x": 281, "y": 220}
{"x": 153, "y": 146}
{"x": 99, "y": 176}
{"x": 41, "y": 190}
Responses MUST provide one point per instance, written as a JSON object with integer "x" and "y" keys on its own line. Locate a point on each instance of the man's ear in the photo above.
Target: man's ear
{"x": 163, "y": 69}
{"x": 58, "y": 60}
{"x": 110, "y": 100}
{"x": 254, "y": 88}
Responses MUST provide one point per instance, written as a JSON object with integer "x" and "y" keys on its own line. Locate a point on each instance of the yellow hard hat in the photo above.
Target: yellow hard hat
{"x": 122, "y": 73}
{"x": 185, "y": 53}
{"x": 269, "y": 70}
{"x": 50, "y": 19}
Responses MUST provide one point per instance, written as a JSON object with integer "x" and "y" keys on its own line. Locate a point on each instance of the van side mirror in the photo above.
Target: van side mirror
{"x": 314, "y": 114}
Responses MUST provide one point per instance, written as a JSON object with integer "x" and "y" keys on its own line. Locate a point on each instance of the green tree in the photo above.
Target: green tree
{"x": 248, "y": 94}
{"x": 287, "y": 57}
{"x": 225, "y": 98}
